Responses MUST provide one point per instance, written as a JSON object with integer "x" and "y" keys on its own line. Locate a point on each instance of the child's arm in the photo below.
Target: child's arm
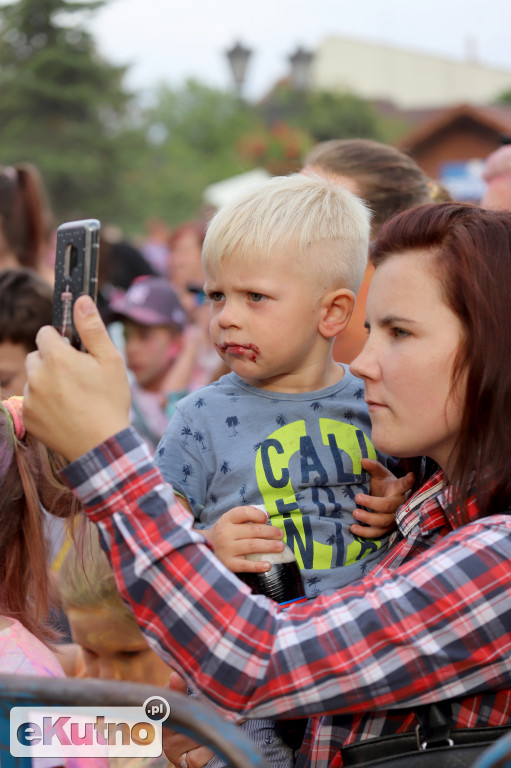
{"x": 242, "y": 531}
{"x": 387, "y": 494}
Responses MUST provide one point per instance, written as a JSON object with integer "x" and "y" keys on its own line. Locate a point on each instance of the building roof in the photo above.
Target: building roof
{"x": 433, "y": 121}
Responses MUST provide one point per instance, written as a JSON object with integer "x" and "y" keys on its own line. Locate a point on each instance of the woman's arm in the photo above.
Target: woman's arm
{"x": 403, "y": 638}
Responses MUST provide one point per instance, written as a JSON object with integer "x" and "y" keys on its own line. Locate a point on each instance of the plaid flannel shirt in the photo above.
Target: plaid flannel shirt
{"x": 432, "y": 622}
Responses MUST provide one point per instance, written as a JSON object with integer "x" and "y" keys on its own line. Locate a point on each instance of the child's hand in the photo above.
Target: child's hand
{"x": 243, "y": 531}
{"x": 387, "y": 494}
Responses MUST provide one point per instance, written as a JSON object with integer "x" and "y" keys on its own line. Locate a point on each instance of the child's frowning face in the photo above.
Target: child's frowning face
{"x": 264, "y": 323}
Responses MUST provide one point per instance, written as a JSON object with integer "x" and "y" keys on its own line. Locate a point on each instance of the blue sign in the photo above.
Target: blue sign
{"x": 463, "y": 180}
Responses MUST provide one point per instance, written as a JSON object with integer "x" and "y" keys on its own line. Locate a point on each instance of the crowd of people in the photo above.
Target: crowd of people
{"x": 265, "y": 384}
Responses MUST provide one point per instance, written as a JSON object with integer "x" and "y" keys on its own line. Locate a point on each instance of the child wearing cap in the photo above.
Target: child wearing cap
{"x": 161, "y": 351}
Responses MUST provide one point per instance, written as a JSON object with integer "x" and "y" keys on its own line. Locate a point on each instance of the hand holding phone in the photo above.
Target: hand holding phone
{"x": 76, "y": 272}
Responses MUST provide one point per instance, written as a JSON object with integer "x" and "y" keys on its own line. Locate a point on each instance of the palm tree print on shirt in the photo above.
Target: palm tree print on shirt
{"x": 186, "y": 432}
{"x": 232, "y": 422}
{"x": 312, "y": 582}
{"x": 187, "y": 471}
{"x": 199, "y": 437}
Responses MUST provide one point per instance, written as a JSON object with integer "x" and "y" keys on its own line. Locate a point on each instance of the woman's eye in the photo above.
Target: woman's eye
{"x": 215, "y": 296}
{"x": 399, "y": 333}
{"x": 257, "y": 297}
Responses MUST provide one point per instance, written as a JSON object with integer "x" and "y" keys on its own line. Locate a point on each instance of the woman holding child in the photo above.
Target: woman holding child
{"x": 432, "y": 621}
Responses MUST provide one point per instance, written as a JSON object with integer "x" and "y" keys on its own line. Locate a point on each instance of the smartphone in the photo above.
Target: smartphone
{"x": 76, "y": 272}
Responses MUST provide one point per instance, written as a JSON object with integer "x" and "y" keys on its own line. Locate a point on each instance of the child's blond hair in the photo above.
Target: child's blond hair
{"x": 319, "y": 223}
{"x": 86, "y": 579}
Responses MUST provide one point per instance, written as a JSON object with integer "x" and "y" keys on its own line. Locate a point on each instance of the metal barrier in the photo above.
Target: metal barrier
{"x": 496, "y": 756}
{"x": 187, "y": 714}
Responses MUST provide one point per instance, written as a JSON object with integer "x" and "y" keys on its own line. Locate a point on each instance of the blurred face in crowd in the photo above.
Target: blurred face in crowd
{"x": 12, "y": 368}
{"x": 186, "y": 261}
{"x": 114, "y": 648}
{"x": 150, "y": 352}
{"x": 498, "y": 193}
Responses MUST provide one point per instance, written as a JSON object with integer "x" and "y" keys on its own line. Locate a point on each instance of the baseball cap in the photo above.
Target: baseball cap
{"x": 149, "y": 301}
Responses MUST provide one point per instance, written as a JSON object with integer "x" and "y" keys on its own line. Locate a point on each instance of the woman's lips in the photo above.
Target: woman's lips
{"x": 374, "y": 406}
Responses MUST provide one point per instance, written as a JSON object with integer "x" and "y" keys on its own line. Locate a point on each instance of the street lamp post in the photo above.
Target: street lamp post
{"x": 300, "y": 61}
{"x": 238, "y": 57}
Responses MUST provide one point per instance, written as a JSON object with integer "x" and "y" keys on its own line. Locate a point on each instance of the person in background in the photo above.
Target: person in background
{"x": 161, "y": 351}
{"x": 497, "y": 175}
{"x": 185, "y": 266}
{"x": 25, "y": 220}
{"x": 29, "y": 481}
{"x": 108, "y": 643}
{"x": 187, "y": 276}
{"x": 120, "y": 263}
{"x": 25, "y": 306}
{"x": 388, "y": 181}
{"x": 155, "y": 247}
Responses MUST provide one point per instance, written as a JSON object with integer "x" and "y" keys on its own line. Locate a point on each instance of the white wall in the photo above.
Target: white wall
{"x": 406, "y": 78}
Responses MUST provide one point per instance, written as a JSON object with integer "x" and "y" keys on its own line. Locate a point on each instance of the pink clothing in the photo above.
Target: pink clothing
{"x": 21, "y": 653}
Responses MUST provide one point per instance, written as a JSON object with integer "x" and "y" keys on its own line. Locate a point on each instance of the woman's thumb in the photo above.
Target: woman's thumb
{"x": 91, "y": 328}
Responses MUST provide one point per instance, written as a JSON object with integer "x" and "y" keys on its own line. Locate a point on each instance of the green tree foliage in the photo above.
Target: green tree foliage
{"x": 504, "y": 99}
{"x": 65, "y": 109}
{"x": 62, "y": 106}
{"x": 324, "y": 114}
{"x": 193, "y": 134}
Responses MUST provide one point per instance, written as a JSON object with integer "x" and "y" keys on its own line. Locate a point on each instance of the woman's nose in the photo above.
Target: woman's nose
{"x": 363, "y": 365}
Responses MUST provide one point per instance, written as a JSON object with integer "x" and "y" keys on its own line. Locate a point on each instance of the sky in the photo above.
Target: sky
{"x": 170, "y": 40}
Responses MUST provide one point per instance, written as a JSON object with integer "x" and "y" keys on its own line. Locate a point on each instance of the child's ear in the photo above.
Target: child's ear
{"x": 336, "y": 310}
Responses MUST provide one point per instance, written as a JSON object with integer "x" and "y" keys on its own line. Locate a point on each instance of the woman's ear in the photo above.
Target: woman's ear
{"x": 336, "y": 310}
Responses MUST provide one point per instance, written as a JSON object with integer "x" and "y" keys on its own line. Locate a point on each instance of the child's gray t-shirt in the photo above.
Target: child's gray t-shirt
{"x": 230, "y": 444}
